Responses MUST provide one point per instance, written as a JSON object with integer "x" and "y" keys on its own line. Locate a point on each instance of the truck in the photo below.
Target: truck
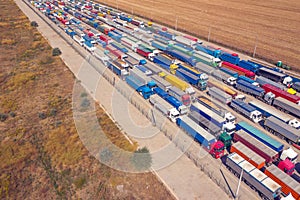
{"x": 154, "y": 68}
{"x": 223, "y": 87}
{"x": 249, "y": 66}
{"x": 143, "y": 69}
{"x": 264, "y": 185}
{"x": 162, "y": 83}
{"x": 257, "y": 146}
{"x": 144, "y": 52}
{"x": 208, "y": 141}
{"x": 287, "y": 183}
{"x": 164, "y": 107}
{"x": 191, "y": 78}
{"x": 246, "y": 110}
{"x": 129, "y": 43}
{"x": 239, "y": 70}
{"x": 230, "y": 72}
{"x": 262, "y": 80}
{"x": 249, "y": 80}
{"x": 286, "y": 106}
{"x": 248, "y": 88}
{"x": 268, "y": 111}
{"x": 222, "y": 76}
{"x": 78, "y": 39}
{"x": 204, "y": 68}
{"x": 119, "y": 46}
{"x": 270, "y": 142}
{"x": 119, "y": 70}
{"x": 180, "y": 84}
{"x": 88, "y": 46}
{"x": 137, "y": 57}
{"x": 209, "y": 50}
{"x": 279, "y": 128}
{"x": 99, "y": 53}
{"x": 248, "y": 154}
{"x": 280, "y": 93}
{"x": 201, "y": 75}
{"x": 230, "y": 58}
{"x": 296, "y": 86}
{"x": 217, "y": 109}
{"x": 132, "y": 61}
{"x": 186, "y": 41}
{"x": 166, "y": 34}
{"x": 159, "y": 45}
{"x": 181, "y": 56}
{"x": 165, "y": 62}
{"x": 220, "y": 95}
{"x": 141, "y": 83}
{"x": 182, "y": 48}
{"x": 275, "y": 76}
{"x": 180, "y": 95}
{"x": 205, "y": 58}
{"x": 215, "y": 118}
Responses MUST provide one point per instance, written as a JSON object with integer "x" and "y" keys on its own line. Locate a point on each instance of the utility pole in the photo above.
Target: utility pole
{"x": 208, "y": 37}
{"x": 254, "y": 52}
{"x": 176, "y": 23}
{"x": 240, "y": 180}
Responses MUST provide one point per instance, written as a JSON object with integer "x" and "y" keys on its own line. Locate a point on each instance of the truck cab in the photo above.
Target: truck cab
{"x": 229, "y": 128}
{"x": 217, "y": 149}
{"x": 269, "y": 97}
{"x": 226, "y": 139}
{"x": 230, "y": 118}
{"x": 256, "y": 116}
{"x": 287, "y": 166}
{"x": 288, "y": 81}
{"x": 173, "y": 114}
{"x": 294, "y": 123}
{"x": 289, "y": 154}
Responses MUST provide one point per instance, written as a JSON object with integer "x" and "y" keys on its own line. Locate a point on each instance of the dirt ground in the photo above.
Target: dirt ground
{"x": 273, "y": 25}
{"x": 41, "y": 154}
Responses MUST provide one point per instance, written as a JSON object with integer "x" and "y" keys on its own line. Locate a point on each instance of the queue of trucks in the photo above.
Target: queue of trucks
{"x": 209, "y": 124}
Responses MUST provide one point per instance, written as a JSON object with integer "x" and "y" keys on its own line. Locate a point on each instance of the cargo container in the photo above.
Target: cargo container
{"x": 222, "y": 76}
{"x": 280, "y": 93}
{"x": 204, "y": 68}
{"x": 166, "y": 34}
{"x": 119, "y": 70}
{"x": 239, "y": 70}
{"x": 247, "y": 110}
{"x": 208, "y": 141}
{"x": 220, "y": 95}
{"x": 279, "y": 128}
{"x": 296, "y": 86}
{"x": 186, "y": 41}
{"x": 249, "y": 80}
{"x": 257, "y": 146}
{"x": 272, "y": 143}
{"x": 180, "y": 95}
{"x": 217, "y": 109}
{"x": 144, "y": 52}
{"x": 142, "y": 88}
{"x": 249, "y": 66}
{"x": 181, "y": 56}
{"x": 248, "y": 154}
{"x": 230, "y": 72}
{"x": 264, "y": 185}
{"x": 250, "y": 89}
{"x": 162, "y": 83}
{"x": 223, "y": 87}
{"x": 180, "y": 84}
{"x": 159, "y": 45}
{"x": 191, "y": 78}
{"x": 165, "y": 62}
{"x": 275, "y": 76}
{"x": 155, "y": 69}
{"x": 262, "y": 80}
{"x": 230, "y": 58}
{"x": 288, "y": 184}
{"x": 193, "y": 71}
{"x": 207, "y": 59}
{"x": 287, "y": 106}
{"x": 215, "y": 118}
{"x": 209, "y": 50}
{"x": 143, "y": 69}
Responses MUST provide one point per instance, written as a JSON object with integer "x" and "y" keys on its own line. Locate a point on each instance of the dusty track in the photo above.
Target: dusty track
{"x": 237, "y": 24}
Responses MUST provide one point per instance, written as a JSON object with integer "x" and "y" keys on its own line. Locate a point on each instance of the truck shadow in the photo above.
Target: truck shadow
{"x": 223, "y": 159}
{"x": 296, "y": 177}
{"x": 297, "y": 167}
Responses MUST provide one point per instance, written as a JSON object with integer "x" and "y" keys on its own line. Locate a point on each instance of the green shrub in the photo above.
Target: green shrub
{"x": 142, "y": 159}
{"x": 3, "y": 117}
{"x": 56, "y": 52}
{"x": 34, "y": 24}
{"x": 79, "y": 182}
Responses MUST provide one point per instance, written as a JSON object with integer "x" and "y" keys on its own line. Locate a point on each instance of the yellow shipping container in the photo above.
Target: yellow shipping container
{"x": 223, "y": 87}
{"x": 177, "y": 82}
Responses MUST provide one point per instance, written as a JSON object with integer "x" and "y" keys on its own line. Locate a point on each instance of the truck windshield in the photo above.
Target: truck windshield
{"x": 289, "y": 171}
{"x": 219, "y": 149}
{"x": 175, "y": 116}
{"x": 230, "y": 131}
{"x": 186, "y": 102}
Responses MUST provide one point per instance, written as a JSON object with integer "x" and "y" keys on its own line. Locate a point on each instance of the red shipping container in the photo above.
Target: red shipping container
{"x": 239, "y": 70}
{"x": 191, "y": 38}
{"x": 164, "y": 28}
{"x": 281, "y": 93}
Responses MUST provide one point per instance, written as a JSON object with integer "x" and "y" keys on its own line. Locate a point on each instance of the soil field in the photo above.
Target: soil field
{"x": 273, "y": 25}
{"x": 41, "y": 154}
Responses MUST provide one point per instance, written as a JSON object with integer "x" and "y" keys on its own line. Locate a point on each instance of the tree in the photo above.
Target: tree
{"x": 34, "y": 24}
{"x": 142, "y": 159}
{"x": 56, "y": 52}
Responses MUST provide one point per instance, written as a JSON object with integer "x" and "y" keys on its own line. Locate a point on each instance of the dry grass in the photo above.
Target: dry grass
{"x": 41, "y": 154}
{"x": 233, "y": 23}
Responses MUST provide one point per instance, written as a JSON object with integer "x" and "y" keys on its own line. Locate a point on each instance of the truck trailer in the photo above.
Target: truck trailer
{"x": 278, "y": 77}
{"x": 180, "y": 95}
{"x": 263, "y": 80}
{"x": 222, "y": 76}
{"x": 246, "y": 110}
{"x": 220, "y": 95}
{"x": 287, "y": 106}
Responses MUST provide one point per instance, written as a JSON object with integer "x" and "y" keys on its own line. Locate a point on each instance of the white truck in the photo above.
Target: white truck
{"x": 247, "y": 110}
{"x": 220, "y": 95}
{"x": 78, "y": 39}
{"x": 222, "y": 76}
{"x": 164, "y": 107}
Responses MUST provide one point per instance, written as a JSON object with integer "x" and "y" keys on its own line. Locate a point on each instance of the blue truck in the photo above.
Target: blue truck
{"x": 162, "y": 39}
{"x": 125, "y": 18}
{"x": 115, "y": 36}
{"x": 171, "y": 100}
{"x": 192, "y": 79}
{"x": 246, "y": 110}
{"x": 250, "y": 89}
{"x": 142, "y": 87}
{"x": 181, "y": 56}
{"x": 230, "y": 58}
{"x": 249, "y": 80}
{"x": 120, "y": 71}
{"x": 209, "y": 50}
{"x": 143, "y": 69}
{"x": 166, "y": 34}
{"x": 270, "y": 142}
{"x": 159, "y": 45}
{"x": 230, "y": 72}
{"x": 119, "y": 46}
{"x": 249, "y": 66}
{"x": 163, "y": 61}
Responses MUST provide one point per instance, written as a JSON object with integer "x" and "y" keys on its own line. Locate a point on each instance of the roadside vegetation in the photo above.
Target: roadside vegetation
{"x": 41, "y": 154}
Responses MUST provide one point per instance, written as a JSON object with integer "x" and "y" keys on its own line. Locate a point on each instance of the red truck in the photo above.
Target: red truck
{"x": 191, "y": 38}
{"x": 281, "y": 93}
{"x": 106, "y": 39}
{"x": 144, "y": 52}
{"x": 88, "y": 33}
{"x": 241, "y": 71}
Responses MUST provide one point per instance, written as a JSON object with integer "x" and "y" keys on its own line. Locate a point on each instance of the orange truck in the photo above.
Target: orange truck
{"x": 248, "y": 154}
{"x": 287, "y": 183}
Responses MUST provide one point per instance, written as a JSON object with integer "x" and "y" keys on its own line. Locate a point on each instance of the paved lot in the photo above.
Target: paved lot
{"x": 182, "y": 176}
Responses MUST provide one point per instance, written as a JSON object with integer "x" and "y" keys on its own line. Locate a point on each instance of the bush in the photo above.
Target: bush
{"x": 141, "y": 159}
{"x": 34, "y": 24}
{"x": 85, "y": 103}
{"x": 79, "y": 182}
{"x": 12, "y": 114}
{"x": 56, "y": 52}
{"x": 3, "y": 117}
{"x": 42, "y": 115}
